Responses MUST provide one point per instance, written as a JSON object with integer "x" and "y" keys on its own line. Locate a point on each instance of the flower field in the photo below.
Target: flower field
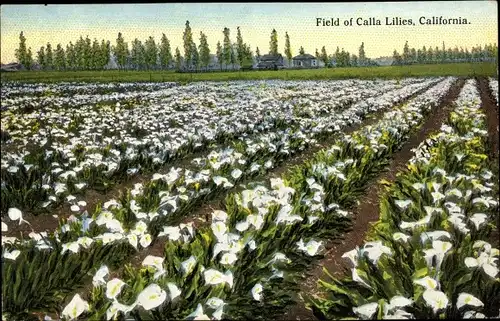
{"x": 156, "y": 201}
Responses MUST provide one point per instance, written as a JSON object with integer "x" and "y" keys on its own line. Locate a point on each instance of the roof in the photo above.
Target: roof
{"x": 270, "y": 57}
{"x": 304, "y": 57}
{"x": 13, "y": 66}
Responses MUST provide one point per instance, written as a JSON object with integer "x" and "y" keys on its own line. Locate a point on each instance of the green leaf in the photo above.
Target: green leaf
{"x": 421, "y": 273}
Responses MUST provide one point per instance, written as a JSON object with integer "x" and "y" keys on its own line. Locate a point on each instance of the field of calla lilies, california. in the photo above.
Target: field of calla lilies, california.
{"x": 261, "y": 200}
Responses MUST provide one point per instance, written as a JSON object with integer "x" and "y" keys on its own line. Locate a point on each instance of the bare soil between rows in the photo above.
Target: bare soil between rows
{"x": 367, "y": 212}
{"x": 490, "y": 109}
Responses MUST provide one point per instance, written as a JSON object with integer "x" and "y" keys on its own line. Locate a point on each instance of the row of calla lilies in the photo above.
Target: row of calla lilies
{"x": 71, "y": 96}
{"x": 16, "y": 89}
{"x": 494, "y": 88}
{"x": 86, "y": 236}
{"x": 93, "y": 146}
{"x": 246, "y": 262}
{"x": 429, "y": 255}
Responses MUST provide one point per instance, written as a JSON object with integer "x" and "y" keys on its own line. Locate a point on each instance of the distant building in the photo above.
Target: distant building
{"x": 271, "y": 62}
{"x": 305, "y": 61}
{"x": 36, "y": 66}
{"x": 383, "y": 61}
{"x": 13, "y": 66}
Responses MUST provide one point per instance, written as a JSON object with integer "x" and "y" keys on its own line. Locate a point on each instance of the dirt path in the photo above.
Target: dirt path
{"x": 490, "y": 108}
{"x": 367, "y": 211}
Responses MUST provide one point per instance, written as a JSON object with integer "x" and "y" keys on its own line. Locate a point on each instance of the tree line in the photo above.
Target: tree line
{"x": 444, "y": 55}
{"x": 87, "y": 54}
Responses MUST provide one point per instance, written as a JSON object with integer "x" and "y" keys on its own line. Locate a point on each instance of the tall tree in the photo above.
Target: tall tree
{"x": 165, "y": 52}
{"x": 70, "y": 56}
{"x": 449, "y": 54}
{"x": 345, "y": 58}
{"x": 41, "y": 57}
{"x": 226, "y": 49}
{"x": 22, "y": 53}
{"x": 195, "y": 56}
{"x": 467, "y": 54}
{"x": 188, "y": 44}
{"x": 120, "y": 51}
{"x": 413, "y": 55}
{"x": 362, "y": 57}
{"x": 406, "y": 53}
{"x": 204, "y": 50}
{"x": 87, "y": 53}
{"x": 95, "y": 55}
{"x": 273, "y": 43}
{"x": 288, "y": 49}
{"x": 49, "y": 57}
{"x": 247, "y": 56}
{"x": 104, "y": 51}
{"x": 137, "y": 54}
{"x": 178, "y": 59}
{"x": 324, "y": 56}
{"x": 151, "y": 53}
{"x": 232, "y": 57}
{"x": 354, "y": 61}
{"x": 101, "y": 55}
{"x": 220, "y": 54}
{"x": 424, "y": 54}
{"x": 462, "y": 54}
{"x": 257, "y": 53}
{"x": 29, "y": 59}
{"x": 397, "y": 59}
{"x": 60, "y": 58}
{"x": 79, "y": 48}
{"x": 240, "y": 47}
{"x": 302, "y": 51}
{"x": 419, "y": 56}
{"x": 430, "y": 55}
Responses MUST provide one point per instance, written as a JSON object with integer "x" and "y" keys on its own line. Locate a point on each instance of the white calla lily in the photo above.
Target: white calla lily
{"x": 437, "y": 300}
{"x": 151, "y": 297}
{"x": 198, "y": 314}
{"x": 99, "y": 275}
{"x": 11, "y": 255}
{"x": 173, "y": 290}
{"x": 468, "y": 299}
{"x": 257, "y": 292}
{"x": 366, "y": 311}
{"x": 75, "y": 307}
{"x": 15, "y": 214}
{"x": 113, "y": 288}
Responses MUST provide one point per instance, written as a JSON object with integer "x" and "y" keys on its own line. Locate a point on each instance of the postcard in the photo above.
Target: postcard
{"x": 250, "y": 161}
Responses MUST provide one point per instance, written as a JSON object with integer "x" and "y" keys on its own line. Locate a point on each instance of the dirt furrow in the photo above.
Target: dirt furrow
{"x": 490, "y": 109}
{"x": 367, "y": 212}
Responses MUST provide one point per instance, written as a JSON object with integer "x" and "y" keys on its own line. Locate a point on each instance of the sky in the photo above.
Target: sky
{"x": 65, "y": 23}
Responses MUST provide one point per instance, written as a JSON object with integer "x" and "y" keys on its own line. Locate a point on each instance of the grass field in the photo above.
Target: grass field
{"x": 464, "y": 70}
